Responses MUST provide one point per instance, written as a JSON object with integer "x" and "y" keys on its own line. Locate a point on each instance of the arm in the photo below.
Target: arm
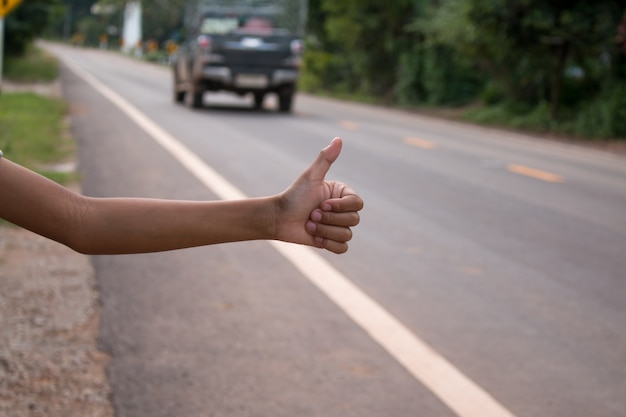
{"x": 311, "y": 211}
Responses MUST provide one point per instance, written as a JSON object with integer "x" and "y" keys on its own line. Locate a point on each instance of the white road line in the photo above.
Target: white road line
{"x": 456, "y": 390}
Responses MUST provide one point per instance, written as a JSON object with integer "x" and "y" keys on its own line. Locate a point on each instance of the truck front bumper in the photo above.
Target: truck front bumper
{"x": 249, "y": 77}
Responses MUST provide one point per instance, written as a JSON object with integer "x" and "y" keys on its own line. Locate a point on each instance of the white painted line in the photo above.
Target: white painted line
{"x": 207, "y": 175}
{"x": 457, "y": 391}
{"x": 452, "y": 387}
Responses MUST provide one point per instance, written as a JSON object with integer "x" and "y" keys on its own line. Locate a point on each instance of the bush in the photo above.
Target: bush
{"x": 27, "y": 22}
{"x": 514, "y": 115}
{"x": 315, "y": 70}
{"x": 492, "y": 93}
{"x": 409, "y": 89}
{"x": 605, "y": 116}
{"x": 435, "y": 74}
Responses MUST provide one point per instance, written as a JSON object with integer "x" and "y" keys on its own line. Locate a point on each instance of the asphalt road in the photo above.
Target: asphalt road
{"x": 504, "y": 254}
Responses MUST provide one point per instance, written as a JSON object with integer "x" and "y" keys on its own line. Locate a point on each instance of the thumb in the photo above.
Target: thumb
{"x": 318, "y": 169}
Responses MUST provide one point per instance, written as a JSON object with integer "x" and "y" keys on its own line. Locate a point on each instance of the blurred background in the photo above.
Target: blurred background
{"x": 547, "y": 66}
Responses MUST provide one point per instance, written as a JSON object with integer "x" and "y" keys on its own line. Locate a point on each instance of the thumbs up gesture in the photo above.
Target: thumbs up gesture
{"x": 316, "y": 212}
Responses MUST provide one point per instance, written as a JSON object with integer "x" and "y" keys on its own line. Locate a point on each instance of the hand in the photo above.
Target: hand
{"x": 316, "y": 212}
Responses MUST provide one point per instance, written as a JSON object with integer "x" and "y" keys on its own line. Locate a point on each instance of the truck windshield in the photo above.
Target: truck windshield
{"x": 218, "y": 25}
{"x": 221, "y": 25}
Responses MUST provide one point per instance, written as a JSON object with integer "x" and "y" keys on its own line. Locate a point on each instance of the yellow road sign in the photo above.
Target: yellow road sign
{"x": 7, "y": 5}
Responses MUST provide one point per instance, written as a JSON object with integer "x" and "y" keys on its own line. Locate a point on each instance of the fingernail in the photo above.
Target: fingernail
{"x": 327, "y": 207}
{"x": 311, "y": 227}
{"x": 316, "y": 216}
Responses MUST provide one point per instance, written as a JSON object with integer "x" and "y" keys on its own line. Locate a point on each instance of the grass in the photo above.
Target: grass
{"x": 537, "y": 119}
{"x": 32, "y": 127}
{"x": 35, "y": 66}
{"x": 33, "y": 133}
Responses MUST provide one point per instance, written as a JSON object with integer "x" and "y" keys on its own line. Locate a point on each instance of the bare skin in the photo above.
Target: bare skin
{"x": 312, "y": 211}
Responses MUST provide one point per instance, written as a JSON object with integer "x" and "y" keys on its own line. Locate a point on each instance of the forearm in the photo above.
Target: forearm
{"x": 100, "y": 225}
{"x": 312, "y": 211}
{"x": 144, "y": 225}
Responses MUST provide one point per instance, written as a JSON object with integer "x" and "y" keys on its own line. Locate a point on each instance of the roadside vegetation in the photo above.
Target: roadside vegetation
{"x": 544, "y": 66}
{"x": 538, "y": 65}
{"x": 32, "y": 127}
{"x": 33, "y": 65}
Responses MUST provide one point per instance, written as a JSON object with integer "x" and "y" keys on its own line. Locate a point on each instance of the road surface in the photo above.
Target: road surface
{"x": 487, "y": 277}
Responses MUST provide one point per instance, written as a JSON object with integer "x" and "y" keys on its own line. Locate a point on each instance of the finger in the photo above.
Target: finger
{"x": 347, "y": 203}
{"x": 331, "y": 245}
{"x": 336, "y": 233}
{"x": 320, "y": 166}
{"x": 347, "y": 219}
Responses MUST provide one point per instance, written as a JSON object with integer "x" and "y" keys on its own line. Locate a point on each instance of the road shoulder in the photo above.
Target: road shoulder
{"x": 50, "y": 364}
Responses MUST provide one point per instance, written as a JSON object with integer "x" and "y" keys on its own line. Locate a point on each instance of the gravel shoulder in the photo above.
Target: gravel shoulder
{"x": 50, "y": 364}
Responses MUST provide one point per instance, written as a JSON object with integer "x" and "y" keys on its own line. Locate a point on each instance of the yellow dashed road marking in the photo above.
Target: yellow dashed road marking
{"x": 473, "y": 271}
{"x": 535, "y": 173}
{"x": 349, "y": 124}
{"x": 420, "y": 143}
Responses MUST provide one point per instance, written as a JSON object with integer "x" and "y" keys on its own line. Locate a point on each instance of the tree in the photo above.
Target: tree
{"x": 527, "y": 45}
{"x": 438, "y": 64}
{"x": 390, "y": 50}
{"x": 27, "y": 22}
{"x": 161, "y": 18}
{"x": 368, "y": 36}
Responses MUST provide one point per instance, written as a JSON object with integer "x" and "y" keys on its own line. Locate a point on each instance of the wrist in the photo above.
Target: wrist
{"x": 273, "y": 216}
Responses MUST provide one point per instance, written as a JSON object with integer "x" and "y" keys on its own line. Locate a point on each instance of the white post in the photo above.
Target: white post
{"x": 131, "y": 33}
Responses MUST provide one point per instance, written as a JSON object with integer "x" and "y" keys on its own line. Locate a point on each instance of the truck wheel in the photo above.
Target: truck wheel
{"x": 179, "y": 95}
{"x": 285, "y": 101}
{"x": 193, "y": 98}
{"x": 258, "y": 100}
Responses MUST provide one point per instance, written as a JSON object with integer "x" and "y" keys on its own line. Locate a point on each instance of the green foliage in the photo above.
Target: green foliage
{"x": 67, "y": 22}
{"x": 27, "y": 22}
{"x": 514, "y": 116}
{"x": 533, "y": 64}
{"x": 528, "y": 44}
{"x": 91, "y": 28}
{"x": 161, "y": 19}
{"x": 448, "y": 77}
{"x": 409, "y": 87}
{"x": 557, "y": 65}
{"x": 316, "y": 71}
{"x": 366, "y": 38}
{"x": 602, "y": 117}
{"x": 605, "y": 116}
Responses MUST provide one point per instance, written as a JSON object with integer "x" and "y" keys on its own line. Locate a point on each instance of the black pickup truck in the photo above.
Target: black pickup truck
{"x": 240, "y": 54}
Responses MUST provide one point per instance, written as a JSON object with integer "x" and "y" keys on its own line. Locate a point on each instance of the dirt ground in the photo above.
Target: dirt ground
{"x": 50, "y": 364}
